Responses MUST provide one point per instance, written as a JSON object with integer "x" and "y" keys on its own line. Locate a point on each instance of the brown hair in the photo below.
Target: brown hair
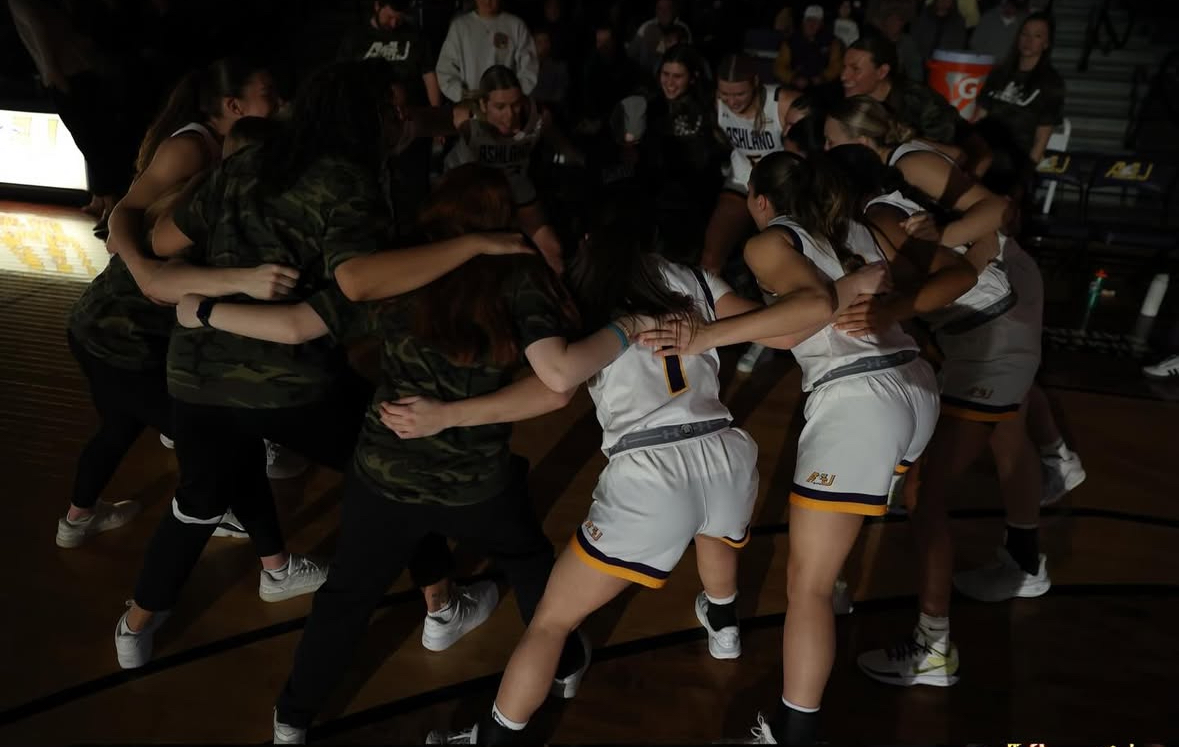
{"x": 864, "y": 116}
{"x": 467, "y": 313}
{"x": 738, "y": 68}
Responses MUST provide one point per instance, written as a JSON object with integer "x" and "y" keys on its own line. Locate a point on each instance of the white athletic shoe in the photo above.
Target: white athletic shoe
{"x": 1060, "y": 475}
{"x": 282, "y": 463}
{"x": 565, "y": 688}
{"x": 1164, "y": 369}
{"x": 896, "y": 495}
{"x": 759, "y": 734}
{"x": 466, "y": 736}
{"x": 724, "y": 643}
{"x": 303, "y": 575}
{"x": 284, "y": 734}
{"x": 753, "y": 355}
{"x": 841, "y": 599}
{"x": 913, "y": 662}
{"x": 471, "y": 606}
{"x": 230, "y": 527}
{"x": 1003, "y": 579}
{"x": 106, "y": 516}
{"x": 167, "y": 442}
{"x": 134, "y": 649}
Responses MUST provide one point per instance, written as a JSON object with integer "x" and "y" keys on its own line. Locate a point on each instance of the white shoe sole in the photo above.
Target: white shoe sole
{"x": 567, "y": 688}
{"x": 221, "y": 532}
{"x": 931, "y": 680}
{"x": 716, "y": 651}
{"x": 438, "y": 644}
{"x": 1027, "y": 591}
{"x": 1071, "y": 481}
{"x": 282, "y": 596}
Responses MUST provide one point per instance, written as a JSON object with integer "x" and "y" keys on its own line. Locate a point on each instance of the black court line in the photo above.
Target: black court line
{"x": 379, "y": 713}
{"x": 110, "y": 681}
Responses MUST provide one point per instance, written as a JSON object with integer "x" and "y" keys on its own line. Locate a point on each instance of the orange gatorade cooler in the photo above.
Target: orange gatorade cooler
{"x": 959, "y": 76}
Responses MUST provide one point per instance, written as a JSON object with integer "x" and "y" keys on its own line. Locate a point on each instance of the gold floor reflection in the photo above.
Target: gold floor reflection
{"x": 58, "y": 243}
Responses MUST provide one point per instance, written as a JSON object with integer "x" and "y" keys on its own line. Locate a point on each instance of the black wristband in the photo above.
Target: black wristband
{"x": 204, "y": 309}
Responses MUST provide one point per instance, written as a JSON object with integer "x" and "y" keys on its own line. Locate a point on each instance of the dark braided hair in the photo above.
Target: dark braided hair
{"x": 342, "y": 110}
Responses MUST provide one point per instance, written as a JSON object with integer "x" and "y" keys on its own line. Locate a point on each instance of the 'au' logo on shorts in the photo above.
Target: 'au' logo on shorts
{"x": 821, "y": 478}
{"x": 592, "y": 530}
{"x": 979, "y": 392}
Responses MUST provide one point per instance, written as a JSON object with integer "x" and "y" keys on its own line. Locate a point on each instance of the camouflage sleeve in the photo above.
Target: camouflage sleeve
{"x": 358, "y": 222}
{"x": 537, "y": 311}
{"x": 345, "y": 319}
{"x": 193, "y": 213}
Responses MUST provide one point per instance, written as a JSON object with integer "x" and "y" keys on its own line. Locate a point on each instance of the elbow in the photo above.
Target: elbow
{"x": 557, "y": 380}
{"x": 558, "y": 400}
{"x": 350, "y": 280}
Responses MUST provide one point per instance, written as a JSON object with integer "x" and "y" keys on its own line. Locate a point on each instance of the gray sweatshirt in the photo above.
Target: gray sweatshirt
{"x": 474, "y": 44}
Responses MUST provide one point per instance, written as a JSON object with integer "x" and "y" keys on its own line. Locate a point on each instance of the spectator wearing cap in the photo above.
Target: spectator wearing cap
{"x": 811, "y": 56}
{"x": 478, "y": 40}
{"x": 997, "y": 29}
{"x": 940, "y": 26}
{"x": 658, "y": 35}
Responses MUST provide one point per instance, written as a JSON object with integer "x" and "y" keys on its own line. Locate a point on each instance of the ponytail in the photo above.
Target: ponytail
{"x": 864, "y": 116}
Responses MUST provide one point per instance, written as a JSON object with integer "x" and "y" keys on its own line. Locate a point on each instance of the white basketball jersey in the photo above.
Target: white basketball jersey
{"x": 829, "y": 349}
{"x": 483, "y": 143}
{"x": 992, "y": 285}
{"x": 639, "y": 390}
{"x": 750, "y": 144}
{"x": 211, "y": 145}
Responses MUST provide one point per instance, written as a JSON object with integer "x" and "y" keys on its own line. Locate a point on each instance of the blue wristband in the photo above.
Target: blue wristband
{"x": 622, "y": 337}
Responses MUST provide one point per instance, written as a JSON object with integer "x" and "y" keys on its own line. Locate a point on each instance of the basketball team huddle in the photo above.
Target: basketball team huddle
{"x": 886, "y": 269}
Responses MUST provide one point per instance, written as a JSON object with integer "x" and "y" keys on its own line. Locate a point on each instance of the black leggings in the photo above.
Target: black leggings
{"x": 223, "y": 465}
{"x": 376, "y": 538}
{"x": 127, "y": 402}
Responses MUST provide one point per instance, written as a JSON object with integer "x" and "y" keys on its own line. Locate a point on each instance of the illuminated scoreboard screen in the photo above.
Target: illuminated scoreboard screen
{"x": 36, "y": 150}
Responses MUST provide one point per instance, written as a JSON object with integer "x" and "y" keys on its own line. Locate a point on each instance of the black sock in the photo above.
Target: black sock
{"x": 1024, "y": 547}
{"x": 794, "y": 727}
{"x": 572, "y": 656}
{"x": 722, "y": 615}
{"x": 492, "y": 732}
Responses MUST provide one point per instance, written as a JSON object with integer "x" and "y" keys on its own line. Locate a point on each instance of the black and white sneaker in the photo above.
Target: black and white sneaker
{"x": 230, "y": 527}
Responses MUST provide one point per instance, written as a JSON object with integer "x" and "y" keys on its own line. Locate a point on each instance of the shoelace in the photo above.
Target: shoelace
{"x": 467, "y": 736}
{"x": 762, "y": 732}
{"x": 271, "y": 452}
{"x": 727, "y": 637}
{"x": 906, "y": 650}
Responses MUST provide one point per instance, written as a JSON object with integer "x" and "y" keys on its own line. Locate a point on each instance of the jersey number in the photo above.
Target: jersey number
{"x": 673, "y": 369}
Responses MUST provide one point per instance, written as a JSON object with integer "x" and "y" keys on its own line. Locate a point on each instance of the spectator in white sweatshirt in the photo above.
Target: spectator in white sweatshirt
{"x": 477, "y": 40}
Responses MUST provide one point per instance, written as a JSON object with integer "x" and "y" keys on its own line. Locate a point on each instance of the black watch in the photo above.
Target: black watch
{"x": 204, "y": 309}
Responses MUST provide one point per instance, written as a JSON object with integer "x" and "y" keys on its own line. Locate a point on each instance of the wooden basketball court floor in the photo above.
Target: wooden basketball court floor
{"x": 1095, "y": 661}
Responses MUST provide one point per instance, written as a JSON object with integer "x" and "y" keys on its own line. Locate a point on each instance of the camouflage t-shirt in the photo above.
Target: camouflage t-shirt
{"x": 459, "y": 466}
{"x": 117, "y": 324}
{"x": 334, "y": 212}
{"x": 925, "y": 110}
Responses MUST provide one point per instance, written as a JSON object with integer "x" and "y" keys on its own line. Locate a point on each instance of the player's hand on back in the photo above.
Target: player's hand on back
{"x": 414, "y": 417}
{"x": 503, "y": 243}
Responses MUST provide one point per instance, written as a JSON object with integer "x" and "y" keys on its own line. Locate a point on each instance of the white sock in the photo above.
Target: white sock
{"x": 445, "y": 614}
{"x": 936, "y": 631}
{"x": 1056, "y": 449}
{"x": 278, "y": 574}
{"x": 799, "y": 708}
{"x": 721, "y": 601}
{"x": 506, "y": 722}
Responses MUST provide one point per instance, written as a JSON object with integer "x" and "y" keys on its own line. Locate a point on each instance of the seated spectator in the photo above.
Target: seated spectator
{"x": 478, "y": 40}
{"x": 846, "y": 29}
{"x": 651, "y": 40}
{"x": 390, "y": 35}
{"x": 563, "y": 32}
{"x": 997, "y": 29}
{"x": 552, "y": 81}
{"x": 608, "y": 76}
{"x": 940, "y": 26}
{"x": 909, "y": 62}
{"x": 1022, "y": 102}
{"x": 811, "y": 56}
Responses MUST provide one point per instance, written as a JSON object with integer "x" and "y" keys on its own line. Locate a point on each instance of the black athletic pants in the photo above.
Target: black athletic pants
{"x": 376, "y": 536}
{"x": 127, "y": 402}
{"x": 223, "y": 465}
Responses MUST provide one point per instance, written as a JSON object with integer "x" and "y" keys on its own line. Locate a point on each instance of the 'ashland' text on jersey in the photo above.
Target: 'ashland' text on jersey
{"x": 750, "y": 144}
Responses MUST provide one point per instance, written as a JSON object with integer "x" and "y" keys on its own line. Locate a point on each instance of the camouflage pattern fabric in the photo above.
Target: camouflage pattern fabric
{"x": 120, "y": 326}
{"x": 459, "y": 466}
{"x": 334, "y": 212}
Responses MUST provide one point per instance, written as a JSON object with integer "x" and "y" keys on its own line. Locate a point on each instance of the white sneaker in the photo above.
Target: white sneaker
{"x": 303, "y": 575}
{"x": 751, "y": 358}
{"x": 1060, "y": 475}
{"x": 760, "y": 734}
{"x": 1003, "y": 580}
{"x": 282, "y": 463}
{"x": 914, "y": 662}
{"x": 134, "y": 649}
{"x": 167, "y": 442}
{"x": 467, "y": 736}
{"x": 1167, "y": 368}
{"x": 106, "y": 516}
{"x": 566, "y": 687}
{"x": 896, "y": 495}
{"x": 230, "y": 527}
{"x": 724, "y": 643}
{"x": 841, "y": 599}
{"x": 284, "y": 734}
{"x": 470, "y": 608}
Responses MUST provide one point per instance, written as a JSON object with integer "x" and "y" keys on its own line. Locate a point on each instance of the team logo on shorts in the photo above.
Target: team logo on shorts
{"x": 821, "y": 478}
{"x": 978, "y": 392}
{"x": 592, "y": 530}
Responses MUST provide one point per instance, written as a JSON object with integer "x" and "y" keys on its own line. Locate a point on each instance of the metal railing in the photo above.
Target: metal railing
{"x": 1101, "y": 20}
